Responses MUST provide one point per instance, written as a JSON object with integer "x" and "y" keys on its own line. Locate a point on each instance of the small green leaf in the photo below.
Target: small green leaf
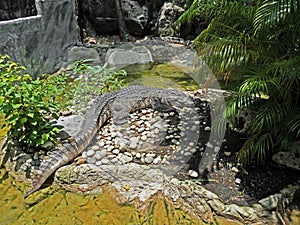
{"x": 24, "y": 120}
{"x": 31, "y": 115}
{"x": 16, "y": 106}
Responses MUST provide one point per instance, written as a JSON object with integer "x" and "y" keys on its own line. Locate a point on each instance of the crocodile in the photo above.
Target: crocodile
{"x": 116, "y": 105}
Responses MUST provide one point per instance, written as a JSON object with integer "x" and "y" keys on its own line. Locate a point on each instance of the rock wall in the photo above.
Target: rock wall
{"x": 142, "y": 17}
{"x": 40, "y": 42}
{"x": 11, "y": 9}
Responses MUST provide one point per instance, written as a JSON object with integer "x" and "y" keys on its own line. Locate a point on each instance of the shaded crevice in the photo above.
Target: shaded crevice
{"x": 80, "y": 19}
{"x": 13, "y": 9}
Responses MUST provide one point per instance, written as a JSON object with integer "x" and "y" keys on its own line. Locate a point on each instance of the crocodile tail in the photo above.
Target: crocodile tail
{"x": 58, "y": 157}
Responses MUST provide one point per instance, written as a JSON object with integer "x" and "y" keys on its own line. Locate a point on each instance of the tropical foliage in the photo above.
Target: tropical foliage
{"x": 257, "y": 42}
{"x": 28, "y": 105}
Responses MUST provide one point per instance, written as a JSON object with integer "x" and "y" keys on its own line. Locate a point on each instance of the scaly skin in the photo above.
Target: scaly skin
{"x": 117, "y": 104}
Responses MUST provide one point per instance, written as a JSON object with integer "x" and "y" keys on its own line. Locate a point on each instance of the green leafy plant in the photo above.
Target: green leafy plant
{"x": 94, "y": 80}
{"x": 28, "y": 104}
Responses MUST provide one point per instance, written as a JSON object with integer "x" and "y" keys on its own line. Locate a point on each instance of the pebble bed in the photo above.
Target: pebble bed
{"x": 150, "y": 137}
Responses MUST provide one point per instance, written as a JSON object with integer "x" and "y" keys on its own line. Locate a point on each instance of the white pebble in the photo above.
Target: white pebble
{"x": 143, "y": 118}
{"x": 217, "y": 149}
{"x": 193, "y": 173}
{"x": 138, "y": 155}
{"x": 141, "y": 129}
{"x": 105, "y": 161}
{"x": 207, "y": 128}
{"x": 95, "y": 147}
{"x": 98, "y": 163}
{"x": 90, "y": 153}
{"x": 149, "y": 159}
{"x": 116, "y": 151}
{"x": 227, "y": 153}
{"x": 238, "y": 181}
{"x": 157, "y": 160}
{"x": 144, "y": 138}
{"x": 99, "y": 155}
{"x": 234, "y": 169}
{"x": 110, "y": 148}
{"x": 101, "y": 143}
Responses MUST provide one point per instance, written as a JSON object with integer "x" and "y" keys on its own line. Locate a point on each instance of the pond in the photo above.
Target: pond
{"x": 167, "y": 75}
{"x": 161, "y": 75}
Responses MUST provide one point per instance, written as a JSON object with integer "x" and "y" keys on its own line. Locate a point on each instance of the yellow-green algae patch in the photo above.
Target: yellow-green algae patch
{"x": 53, "y": 206}
{"x": 161, "y": 75}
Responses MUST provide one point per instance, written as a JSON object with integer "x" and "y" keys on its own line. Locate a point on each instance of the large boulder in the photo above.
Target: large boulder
{"x": 291, "y": 158}
{"x": 167, "y": 16}
{"x": 121, "y": 57}
{"x": 137, "y": 16}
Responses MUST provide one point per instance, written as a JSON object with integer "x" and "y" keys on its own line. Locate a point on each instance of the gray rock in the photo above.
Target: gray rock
{"x": 193, "y": 174}
{"x": 70, "y": 124}
{"x": 120, "y": 57}
{"x": 133, "y": 142}
{"x": 99, "y": 155}
{"x": 90, "y": 153}
{"x": 105, "y": 161}
{"x": 271, "y": 202}
{"x": 36, "y": 155}
{"x": 77, "y": 53}
{"x": 124, "y": 158}
{"x": 90, "y": 160}
{"x": 149, "y": 159}
{"x": 289, "y": 158}
{"x": 48, "y": 145}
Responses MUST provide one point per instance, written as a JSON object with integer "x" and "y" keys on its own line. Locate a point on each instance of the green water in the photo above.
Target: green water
{"x": 54, "y": 206}
{"x": 161, "y": 75}
{"x": 174, "y": 76}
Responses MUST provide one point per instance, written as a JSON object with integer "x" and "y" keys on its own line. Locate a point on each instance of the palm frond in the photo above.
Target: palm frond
{"x": 219, "y": 125}
{"x": 270, "y": 117}
{"x": 294, "y": 124}
{"x": 256, "y": 149}
{"x": 259, "y": 83}
{"x": 288, "y": 70}
{"x": 190, "y": 14}
{"x": 235, "y": 104}
{"x": 271, "y": 12}
{"x": 225, "y": 52}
